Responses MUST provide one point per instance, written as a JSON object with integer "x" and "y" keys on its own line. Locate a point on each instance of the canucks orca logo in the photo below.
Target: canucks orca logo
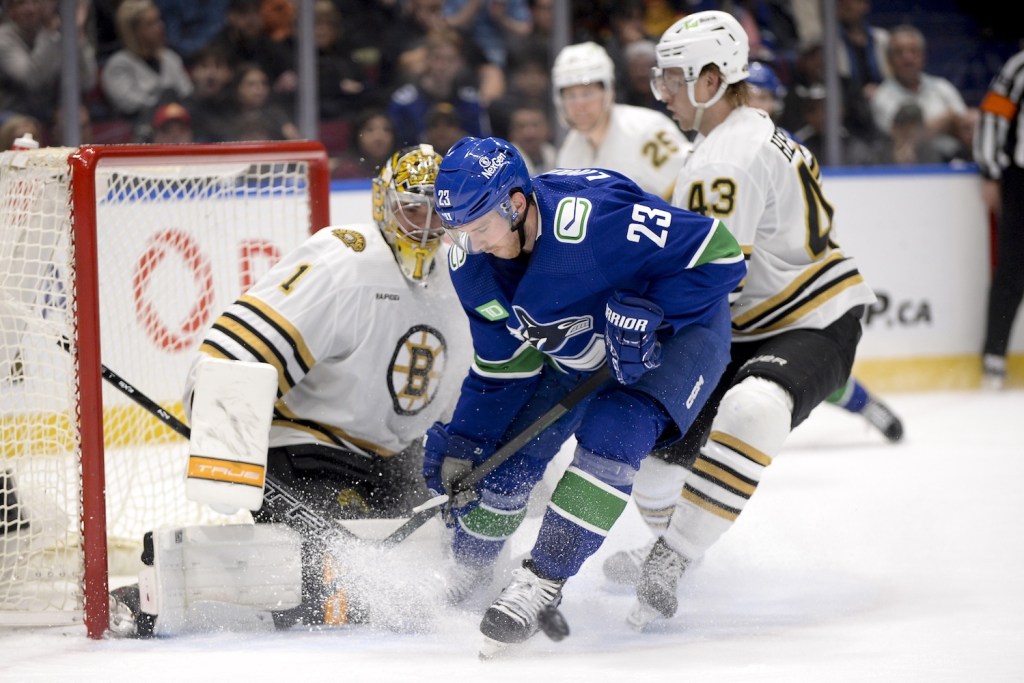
{"x": 550, "y": 337}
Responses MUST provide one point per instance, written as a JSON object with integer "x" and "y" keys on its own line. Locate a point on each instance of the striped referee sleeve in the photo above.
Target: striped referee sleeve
{"x": 998, "y": 142}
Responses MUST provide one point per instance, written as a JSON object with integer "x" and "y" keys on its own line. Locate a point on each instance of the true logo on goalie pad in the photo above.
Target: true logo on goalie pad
{"x": 228, "y": 471}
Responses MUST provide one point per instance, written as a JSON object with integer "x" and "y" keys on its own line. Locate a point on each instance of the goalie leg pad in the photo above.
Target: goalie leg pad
{"x": 232, "y": 408}
{"x": 749, "y": 429}
{"x": 252, "y": 568}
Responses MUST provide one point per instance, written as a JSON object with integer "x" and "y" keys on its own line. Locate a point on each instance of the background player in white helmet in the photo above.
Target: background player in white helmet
{"x": 768, "y": 93}
{"x": 369, "y": 342}
{"x": 796, "y": 317}
{"x": 640, "y": 143}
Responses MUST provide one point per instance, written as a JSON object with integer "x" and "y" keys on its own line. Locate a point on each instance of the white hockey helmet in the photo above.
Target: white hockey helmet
{"x": 704, "y": 38}
{"x": 693, "y": 42}
{"x": 582, "y": 64}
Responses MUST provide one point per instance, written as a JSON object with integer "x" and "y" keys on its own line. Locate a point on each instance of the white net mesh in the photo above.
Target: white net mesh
{"x": 177, "y": 241}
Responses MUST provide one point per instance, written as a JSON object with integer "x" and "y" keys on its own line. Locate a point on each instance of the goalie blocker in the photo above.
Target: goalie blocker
{"x": 232, "y": 408}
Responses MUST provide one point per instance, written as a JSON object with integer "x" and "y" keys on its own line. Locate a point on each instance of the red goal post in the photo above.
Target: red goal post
{"x": 119, "y": 255}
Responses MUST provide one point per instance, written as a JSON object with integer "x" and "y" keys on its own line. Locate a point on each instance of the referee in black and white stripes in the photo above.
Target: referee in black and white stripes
{"x": 999, "y": 152}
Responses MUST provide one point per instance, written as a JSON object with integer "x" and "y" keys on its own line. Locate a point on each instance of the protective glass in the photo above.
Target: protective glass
{"x": 479, "y": 234}
{"x": 665, "y": 83}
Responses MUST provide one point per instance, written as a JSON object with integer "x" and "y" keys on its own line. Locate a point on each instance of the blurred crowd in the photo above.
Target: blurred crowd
{"x": 394, "y": 72}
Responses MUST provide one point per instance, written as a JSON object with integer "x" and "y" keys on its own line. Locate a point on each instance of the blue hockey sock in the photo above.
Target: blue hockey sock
{"x": 852, "y": 396}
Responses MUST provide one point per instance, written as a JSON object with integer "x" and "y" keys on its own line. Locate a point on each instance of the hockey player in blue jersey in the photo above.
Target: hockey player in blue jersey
{"x": 559, "y": 274}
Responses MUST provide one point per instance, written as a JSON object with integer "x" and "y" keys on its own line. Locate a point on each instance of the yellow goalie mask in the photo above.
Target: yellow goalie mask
{"x": 403, "y": 208}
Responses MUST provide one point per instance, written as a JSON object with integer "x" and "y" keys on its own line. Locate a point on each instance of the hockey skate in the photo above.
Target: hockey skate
{"x": 624, "y": 566}
{"x": 656, "y": 589}
{"x": 883, "y": 419}
{"x": 993, "y": 372}
{"x": 530, "y": 603}
{"x": 127, "y": 619}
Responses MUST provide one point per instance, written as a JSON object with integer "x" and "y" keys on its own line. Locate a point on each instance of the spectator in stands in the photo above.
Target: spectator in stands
{"x": 854, "y": 150}
{"x": 85, "y": 133}
{"x": 403, "y": 45}
{"x": 529, "y": 82}
{"x": 256, "y": 117}
{"x": 145, "y": 72}
{"x": 30, "y": 57}
{"x": 862, "y": 64}
{"x": 911, "y": 141}
{"x": 625, "y": 27}
{"x": 530, "y": 132}
{"x": 777, "y": 29}
{"x": 439, "y": 83}
{"x": 640, "y": 58}
{"x": 404, "y": 52}
{"x": 342, "y": 87}
{"x": 443, "y": 128}
{"x": 245, "y": 40}
{"x": 490, "y": 24}
{"x": 939, "y": 101}
{"x": 808, "y": 71}
{"x": 189, "y": 25}
{"x": 211, "y": 103}
{"x": 172, "y": 125}
{"x": 373, "y": 140}
{"x": 279, "y": 20}
{"x": 958, "y": 148}
{"x": 18, "y": 125}
{"x": 537, "y": 43}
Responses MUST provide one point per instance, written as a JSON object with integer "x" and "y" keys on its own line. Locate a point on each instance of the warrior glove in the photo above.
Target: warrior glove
{"x": 631, "y": 324}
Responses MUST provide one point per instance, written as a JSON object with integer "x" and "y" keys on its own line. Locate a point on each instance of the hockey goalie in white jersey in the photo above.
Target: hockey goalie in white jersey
{"x": 641, "y": 143}
{"x": 346, "y": 351}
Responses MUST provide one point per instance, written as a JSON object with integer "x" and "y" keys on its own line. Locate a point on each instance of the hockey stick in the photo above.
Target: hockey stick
{"x": 532, "y": 431}
{"x": 307, "y": 521}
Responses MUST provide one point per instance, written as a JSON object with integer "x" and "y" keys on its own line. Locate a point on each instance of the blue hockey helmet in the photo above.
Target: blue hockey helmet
{"x": 478, "y": 175}
{"x": 764, "y": 77}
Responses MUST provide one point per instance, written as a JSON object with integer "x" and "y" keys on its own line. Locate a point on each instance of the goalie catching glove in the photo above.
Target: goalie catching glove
{"x": 631, "y": 325}
{"x": 447, "y": 458}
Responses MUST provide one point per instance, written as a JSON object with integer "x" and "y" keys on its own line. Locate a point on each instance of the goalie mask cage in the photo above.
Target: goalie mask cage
{"x": 119, "y": 255}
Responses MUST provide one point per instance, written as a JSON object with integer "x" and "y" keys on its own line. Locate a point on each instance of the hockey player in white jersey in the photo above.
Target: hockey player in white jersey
{"x": 640, "y": 143}
{"x": 368, "y": 344}
{"x": 768, "y": 94}
{"x": 796, "y": 317}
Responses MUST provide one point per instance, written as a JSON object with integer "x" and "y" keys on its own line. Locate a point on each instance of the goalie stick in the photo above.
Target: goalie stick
{"x": 532, "y": 431}
{"x": 314, "y": 523}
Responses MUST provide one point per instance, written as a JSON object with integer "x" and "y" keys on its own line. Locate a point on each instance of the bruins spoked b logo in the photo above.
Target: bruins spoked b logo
{"x": 415, "y": 369}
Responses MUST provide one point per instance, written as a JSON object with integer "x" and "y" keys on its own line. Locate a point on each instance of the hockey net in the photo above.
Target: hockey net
{"x": 121, "y": 256}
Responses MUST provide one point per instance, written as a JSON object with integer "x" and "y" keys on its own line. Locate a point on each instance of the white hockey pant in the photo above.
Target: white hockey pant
{"x": 752, "y": 422}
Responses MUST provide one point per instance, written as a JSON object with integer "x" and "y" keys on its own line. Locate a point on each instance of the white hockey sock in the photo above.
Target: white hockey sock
{"x": 656, "y": 488}
{"x": 749, "y": 429}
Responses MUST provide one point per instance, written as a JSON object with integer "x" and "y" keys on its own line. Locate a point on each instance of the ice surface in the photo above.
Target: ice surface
{"x": 855, "y": 561}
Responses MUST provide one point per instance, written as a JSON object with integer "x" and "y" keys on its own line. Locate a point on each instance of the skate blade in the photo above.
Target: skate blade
{"x": 641, "y": 616}
{"x": 492, "y": 649}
